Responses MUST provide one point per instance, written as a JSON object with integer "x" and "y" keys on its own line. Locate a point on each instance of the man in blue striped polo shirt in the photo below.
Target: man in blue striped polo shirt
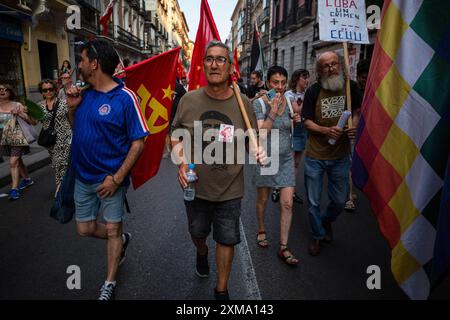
{"x": 108, "y": 137}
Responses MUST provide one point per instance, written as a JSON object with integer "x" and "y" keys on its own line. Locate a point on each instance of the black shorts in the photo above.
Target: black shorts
{"x": 223, "y": 215}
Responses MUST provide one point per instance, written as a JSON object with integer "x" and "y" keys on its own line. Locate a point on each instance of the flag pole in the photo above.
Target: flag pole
{"x": 260, "y": 51}
{"x": 347, "y": 83}
{"x": 252, "y": 136}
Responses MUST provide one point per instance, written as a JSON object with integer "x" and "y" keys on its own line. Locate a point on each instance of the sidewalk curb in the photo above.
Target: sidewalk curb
{"x": 33, "y": 163}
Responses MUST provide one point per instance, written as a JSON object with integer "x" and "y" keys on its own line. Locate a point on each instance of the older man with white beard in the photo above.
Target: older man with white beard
{"x": 324, "y": 103}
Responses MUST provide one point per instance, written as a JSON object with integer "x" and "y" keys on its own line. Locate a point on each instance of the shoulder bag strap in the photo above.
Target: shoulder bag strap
{"x": 55, "y": 108}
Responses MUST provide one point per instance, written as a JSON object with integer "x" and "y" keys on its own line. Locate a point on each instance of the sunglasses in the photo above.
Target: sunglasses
{"x": 47, "y": 90}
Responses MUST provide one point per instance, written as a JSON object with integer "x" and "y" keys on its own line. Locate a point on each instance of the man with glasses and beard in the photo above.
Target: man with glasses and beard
{"x": 324, "y": 103}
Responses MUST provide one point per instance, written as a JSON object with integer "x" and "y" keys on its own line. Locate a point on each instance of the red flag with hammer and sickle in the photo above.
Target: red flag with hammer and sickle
{"x": 153, "y": 81}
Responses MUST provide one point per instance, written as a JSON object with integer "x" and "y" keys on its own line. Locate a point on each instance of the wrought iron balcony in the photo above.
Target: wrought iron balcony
{"x": 263, "y": 17}
{"x": 282, "y": 29}
{"x": 93, "y": 4}
{"x": 265, "y": 41}
{"x": 291, "y": 19}
{"x": 127, "y": 37}
{"x": 89, "y": 18}
{"x": 304, "y": 13}
{"x": 274, "y": 33}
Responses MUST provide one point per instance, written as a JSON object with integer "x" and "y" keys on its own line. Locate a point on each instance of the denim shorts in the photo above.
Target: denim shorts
{"x": 222, "y": 215}
{"x": 88, "y": 204}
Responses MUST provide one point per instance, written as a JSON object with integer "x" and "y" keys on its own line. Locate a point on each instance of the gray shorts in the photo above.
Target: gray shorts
{"x": 223, "y": 215}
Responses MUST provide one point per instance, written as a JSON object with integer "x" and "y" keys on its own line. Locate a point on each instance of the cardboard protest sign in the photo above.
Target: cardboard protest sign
{"x": 343, "y": 21}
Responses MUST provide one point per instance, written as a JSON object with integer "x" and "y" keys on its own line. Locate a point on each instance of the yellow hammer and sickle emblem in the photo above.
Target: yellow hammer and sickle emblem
{"x": 158, "y": 110}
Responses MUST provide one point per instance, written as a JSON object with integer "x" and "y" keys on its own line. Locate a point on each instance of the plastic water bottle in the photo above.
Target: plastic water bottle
{"x": 189, "y": 191}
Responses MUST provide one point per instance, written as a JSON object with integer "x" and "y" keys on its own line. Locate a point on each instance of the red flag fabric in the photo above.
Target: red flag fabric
{"x": 153, "y": 81}
{"x": 181, "y": 72}
{"x": 237, "y": 72}
{"x": 206, "y": 32}
{"x": 106, "y": 16}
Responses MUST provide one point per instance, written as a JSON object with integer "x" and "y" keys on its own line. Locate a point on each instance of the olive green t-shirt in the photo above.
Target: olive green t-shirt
{"x": 325, "y": 111}
{"x": 217, "y": 181}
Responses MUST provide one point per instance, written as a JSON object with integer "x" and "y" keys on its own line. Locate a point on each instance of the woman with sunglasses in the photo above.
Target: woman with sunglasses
{"x": 9, "y": 108}
{"x": 59, "y": 152}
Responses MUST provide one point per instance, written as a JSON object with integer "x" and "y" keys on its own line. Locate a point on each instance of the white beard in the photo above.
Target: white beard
{"x": 333, "y": 83}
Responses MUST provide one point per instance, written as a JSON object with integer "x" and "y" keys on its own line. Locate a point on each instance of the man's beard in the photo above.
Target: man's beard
{"x": 333, "y": 83}
{"x": 84, "y": 75}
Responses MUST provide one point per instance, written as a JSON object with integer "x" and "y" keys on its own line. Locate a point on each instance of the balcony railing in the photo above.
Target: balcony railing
{"x": 89, "y": 18}
{"x": 265, "y": 15}
{"x": 274, "y": 33}
{"x": 297, "y": 17}
{"x": 127, "y": 38}
{"x": 265, "y": 41}
{"x": 282, "y": 28}
{"x": 304, "y": 12}
{"x": 94, "y": 4}
{"x": 291, "y": 20}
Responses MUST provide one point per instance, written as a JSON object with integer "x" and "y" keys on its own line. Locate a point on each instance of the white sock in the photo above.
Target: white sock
{"x": 110, "y": 282}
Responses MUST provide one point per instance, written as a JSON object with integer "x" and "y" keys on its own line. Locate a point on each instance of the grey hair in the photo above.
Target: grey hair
{"x": 216, "y": 43}
{"x": 341, "y": 65}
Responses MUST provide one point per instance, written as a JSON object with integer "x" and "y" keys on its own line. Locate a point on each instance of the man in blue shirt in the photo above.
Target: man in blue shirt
{"x": 108, "y": 137}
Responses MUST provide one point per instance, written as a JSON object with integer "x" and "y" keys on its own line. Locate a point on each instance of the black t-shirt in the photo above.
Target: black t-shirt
{"x": 253, "y": 90}
{"x": 179, "y": 92}
{"x": 325, "y": 107}
{"x": 311, "y": 95}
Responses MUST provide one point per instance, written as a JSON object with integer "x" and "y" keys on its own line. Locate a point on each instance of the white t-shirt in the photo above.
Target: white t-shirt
{"x": 294, "y": 96}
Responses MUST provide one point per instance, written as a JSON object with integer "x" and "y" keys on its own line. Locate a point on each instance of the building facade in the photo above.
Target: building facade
{"x": 289, "y": 33}
{"x": 36, "y": 36}
{"x": 33, "y": 41}
{"x": 128, "y": 27}
{"x": 166, "y": 28}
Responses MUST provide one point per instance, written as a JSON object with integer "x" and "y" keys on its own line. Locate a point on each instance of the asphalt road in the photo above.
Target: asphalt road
{"x": 36, "y": 251}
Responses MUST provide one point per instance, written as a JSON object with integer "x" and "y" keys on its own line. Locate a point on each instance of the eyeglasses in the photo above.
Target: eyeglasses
{"x": 47, "y": 90}
{"x": 333, "y": 65}
{"x": 65, "y": 77}
{"x": 3, "y": 90}
{"x": 220, "y": 61}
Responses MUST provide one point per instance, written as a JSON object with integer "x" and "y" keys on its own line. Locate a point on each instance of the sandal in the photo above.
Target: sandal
{"x": 288, "y": 259}
{"x": 263, "y": 243}
{"x": 350, "y": 206}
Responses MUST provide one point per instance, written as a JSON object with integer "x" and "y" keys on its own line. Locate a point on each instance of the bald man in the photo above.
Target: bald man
{"x": 324, "y": 103}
